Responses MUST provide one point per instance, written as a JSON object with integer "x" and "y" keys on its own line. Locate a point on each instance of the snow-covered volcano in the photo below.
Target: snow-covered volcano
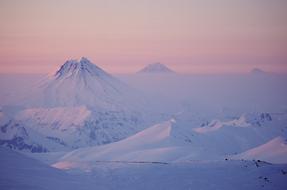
{"x": 82, "y": 83}
{"x": 80, "y": 105}
{"x": 156, "y": 68}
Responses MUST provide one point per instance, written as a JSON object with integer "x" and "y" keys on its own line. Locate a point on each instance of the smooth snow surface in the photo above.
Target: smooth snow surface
{"x": 19, "y": 172}
{"x": 274, "y": 151}
{"x": 153, "y": 144}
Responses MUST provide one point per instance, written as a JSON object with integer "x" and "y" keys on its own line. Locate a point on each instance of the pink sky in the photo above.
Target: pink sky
{"x": 121, "y": 36}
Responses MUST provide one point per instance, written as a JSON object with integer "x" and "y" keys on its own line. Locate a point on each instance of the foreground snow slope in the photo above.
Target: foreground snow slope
{"x": 20, "y": 173}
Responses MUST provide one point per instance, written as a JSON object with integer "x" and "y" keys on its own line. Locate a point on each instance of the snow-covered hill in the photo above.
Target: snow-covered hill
{"x": 223, "y": 136}
{"x": 274, "y": 151}
{"x": 153, "y": 144}
{"x": 169, "y": 142}
{"x": 155, "y": 68}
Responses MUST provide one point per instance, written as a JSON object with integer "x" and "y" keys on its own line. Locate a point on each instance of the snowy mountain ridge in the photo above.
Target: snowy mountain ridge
{"x": 73, "y": 67}
{"x": 67, "y": 128}
{"x": 164, "y": 142}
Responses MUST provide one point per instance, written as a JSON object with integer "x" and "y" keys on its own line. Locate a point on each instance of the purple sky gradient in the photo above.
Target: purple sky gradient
{"x": 190, "y": 36}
